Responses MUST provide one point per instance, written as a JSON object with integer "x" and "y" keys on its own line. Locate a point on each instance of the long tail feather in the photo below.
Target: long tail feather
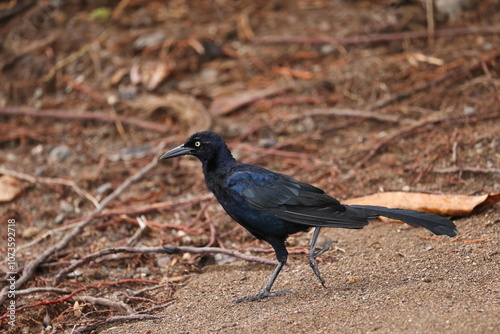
{"x": 434, "y": 223}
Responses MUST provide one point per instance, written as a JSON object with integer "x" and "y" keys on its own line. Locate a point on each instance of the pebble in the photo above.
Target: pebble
{"x": 223, "y": 258}
{"x": 327, "y": 49}
{"x": 389, "y": 159}
{"x": 469, "y": 110}
{"x": 354, "y": 279}
{"x": 37, "y": 150}
{"x": 163, "y": 260}
{"x": 74, "y": 273}
{"x": 147, "y": 40}
{"x": 30, "y": 232}
{"x": 59, "y": 153}
{"x": 145, "y": 271}
{"x": 60, "y": 218}
{"x": 104, "y": 188}
{"x": 65, "y": 207}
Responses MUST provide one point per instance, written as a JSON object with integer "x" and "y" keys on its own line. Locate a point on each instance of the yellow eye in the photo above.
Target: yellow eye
{"x": 197, "y": 143}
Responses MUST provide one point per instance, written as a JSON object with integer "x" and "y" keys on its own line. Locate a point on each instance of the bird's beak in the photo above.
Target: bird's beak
{"x": 176, "y": 152}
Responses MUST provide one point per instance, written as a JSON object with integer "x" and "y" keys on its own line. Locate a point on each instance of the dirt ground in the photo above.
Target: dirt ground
{"x": 387, "y": 281}
{"x": 351, "y": 96}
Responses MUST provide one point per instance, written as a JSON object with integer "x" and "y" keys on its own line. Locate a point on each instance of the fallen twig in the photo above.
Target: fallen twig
{"x": 472, "y": 241}
{"x": 430, "y": 238}
{"x": 351, "y": 113}
{"x": 457, "y": 169}
{"x": 84, "y": 89}
{"x": 94, "y": 116}
{"x": 118, "y": 318}
{"x": 372, "y": 38}
{"x": 441, "y": 78}
{"x": 105, "y": 302}
{"x": 142, "y": 226}
{"x": 147, "y": 289}
{"x": 146, "y": 208}
{"x": 224, "y": 105}
{"x": 421, "y": 126}
{"x": 141, "y": 299}
{"x": 41, "y": 289}
{"x": 291, "y": 100}
{"x": 74, "y": 293}
{"x": 47, "y": 234}
{"x": 103, "y": 252}
{"x": 164, "y": 249}
{"x": 49, "y": 180}
{"x": 216, "y": 250}
{"x": 274, "y": 151}
{"x": 31, "y": 266}
{"x": 74, "y": 56}
{"x": 169, "y": 302}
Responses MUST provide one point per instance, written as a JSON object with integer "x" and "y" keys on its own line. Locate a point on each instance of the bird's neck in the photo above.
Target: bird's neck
{"x": 221, "y": 161}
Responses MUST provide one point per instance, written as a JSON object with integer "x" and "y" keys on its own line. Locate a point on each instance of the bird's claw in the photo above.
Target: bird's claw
{"x": 324, "y": 249}
{"x": 261, "y": 295}
{"x": 312, "y": 261}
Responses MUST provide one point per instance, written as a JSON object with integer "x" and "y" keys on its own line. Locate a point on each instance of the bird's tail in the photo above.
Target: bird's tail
{"x": 434, "y": 223}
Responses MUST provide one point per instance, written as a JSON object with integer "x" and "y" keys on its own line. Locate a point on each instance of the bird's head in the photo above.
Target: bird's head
{"x": 205, "y": 145}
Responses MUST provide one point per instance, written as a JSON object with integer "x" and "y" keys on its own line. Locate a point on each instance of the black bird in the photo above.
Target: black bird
{"x": 272, "y": 206}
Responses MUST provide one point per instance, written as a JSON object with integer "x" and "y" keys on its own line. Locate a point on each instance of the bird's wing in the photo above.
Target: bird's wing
{"x": 294, "y": 201}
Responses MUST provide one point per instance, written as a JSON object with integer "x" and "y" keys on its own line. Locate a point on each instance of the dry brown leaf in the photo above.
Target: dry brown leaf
{"x": 153, "y": 73}
{"x": 446, "y": 204}
{"x": 10, "y": 188}
{"x": 188, "y": 110}
{"x": 150, "y": 73}
{"x": 227, "y": 104}
{"x": 117, "y": 76}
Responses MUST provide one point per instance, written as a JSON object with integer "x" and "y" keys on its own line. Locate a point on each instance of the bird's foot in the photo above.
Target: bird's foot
{"x": 324, "y": 249}
{"x": 263, "y": 294}
{"x": 314, "y": 265}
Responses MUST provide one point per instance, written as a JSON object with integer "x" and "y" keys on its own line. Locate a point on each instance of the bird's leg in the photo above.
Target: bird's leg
{"x": 313, "y": 255}
{"x": 282, "y": 256}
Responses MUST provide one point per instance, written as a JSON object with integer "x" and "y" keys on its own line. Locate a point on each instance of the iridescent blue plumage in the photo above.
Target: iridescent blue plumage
{"x": 272, "y": 206}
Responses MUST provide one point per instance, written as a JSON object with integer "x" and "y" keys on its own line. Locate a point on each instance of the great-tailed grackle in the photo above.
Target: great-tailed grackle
{"x": 272, "y": 206}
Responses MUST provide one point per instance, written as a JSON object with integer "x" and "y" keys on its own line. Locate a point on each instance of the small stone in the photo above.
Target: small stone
{"x": 96, "y": 274}
{"x": 65, "y": 207}
{"x": 74, "y": 274}
{"x": 128, "y": 92}
{"x": 327, "y": 49}
{"x": 487, "y": 46}
{"x": 163, "y": 260}
{"x": 223, "y": 258}
{"x": 59, "y": 153}
{"x": 144, "y": 270}
{"x": 353, "y": 279}
{"x": 389, "y": 159}
{"x": 60, "y": 218}
{"x": 38, "y": 149}
{"x": 104, "y": 188}
{"x": 30, "y": 232}
{"x": 147, "y": 40}
{"x": 469, "y": 110}
{"x": 209, "y": 75}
